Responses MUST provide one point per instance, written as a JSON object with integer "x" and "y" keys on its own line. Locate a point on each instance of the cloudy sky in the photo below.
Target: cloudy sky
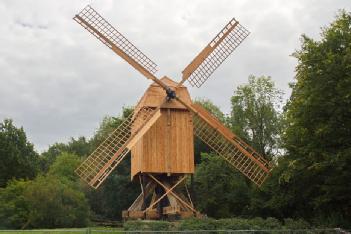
{"x": 58, "y": 81}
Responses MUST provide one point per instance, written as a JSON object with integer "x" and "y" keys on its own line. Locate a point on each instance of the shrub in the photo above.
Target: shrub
{"x": 271, "y": 223}
{"x": 14, "y": 209}
{"x": 233, "y": 224}
{"x": 198, "y": 224}
{"x": 248, "y": 224}
{"x": 53, "y": 204}
{"x": 147, "y": 225}
{"x": 296, "y": 224}
{"x": 257, "y": 223}
{"x": 230, "y": 224}
{"x": 221, "y": 224}
{"x": 332, "y": 219}
{"x": 44, "y": 202}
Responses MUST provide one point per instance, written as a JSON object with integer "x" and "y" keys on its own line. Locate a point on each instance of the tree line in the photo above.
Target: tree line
{"x": 308, "y": 139}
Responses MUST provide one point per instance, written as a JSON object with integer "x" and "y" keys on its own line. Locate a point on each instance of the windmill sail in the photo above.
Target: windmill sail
{"x": 229, "y": 146}
{"x": 107, "y": 34}
{"x": 209, "y": 59}
{"x": 116, "y": 146}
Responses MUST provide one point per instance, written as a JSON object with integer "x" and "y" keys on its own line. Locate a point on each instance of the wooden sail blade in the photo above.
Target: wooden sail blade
{"x": 229, "y": 146}
{"x": 213, "y": 55}
{"x": 143, "y": 129}
{"x": 107, "y": 34}
{"x": 116, "y": 146}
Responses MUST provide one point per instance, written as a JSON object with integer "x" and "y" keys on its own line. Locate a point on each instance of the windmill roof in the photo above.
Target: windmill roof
{"x": 155, "y": 95}
{"x": 168, "y": 81}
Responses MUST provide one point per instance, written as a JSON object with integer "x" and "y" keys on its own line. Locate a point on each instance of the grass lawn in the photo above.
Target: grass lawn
{"x": 98, "y": 230}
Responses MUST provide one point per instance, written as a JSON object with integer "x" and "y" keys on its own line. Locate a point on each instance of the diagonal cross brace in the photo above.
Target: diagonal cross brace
{"x": 169, "y": 190}
{"x": 175, "y": 195}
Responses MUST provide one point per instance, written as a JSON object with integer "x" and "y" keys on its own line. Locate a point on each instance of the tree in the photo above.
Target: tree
{"x": 109, "y": 200}
{"x": 48, "y": 157}
{"x": 318, "y": 134}
{"x": 199, "y": 146}
{"x": 64, "y": 166}
{"x": 255, "y": 114}
{"x": 54, "y": 204}
{"x": 117, "y": 192}
{"x": 17, "y": 156}
{"x": 271, "y": 199}
{"x": 212, "y": 108}
{"x": 14, "y": 209}
{"x": 48, "y": 201}
{"x": 80, "y": 147}
{"x": 108, "y": 124}
{"x": 221, "y": 191}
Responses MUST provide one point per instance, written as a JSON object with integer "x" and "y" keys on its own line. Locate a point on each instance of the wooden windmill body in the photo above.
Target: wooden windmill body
{"x": 160, "y": 131}
{"x": 168, "y": 146}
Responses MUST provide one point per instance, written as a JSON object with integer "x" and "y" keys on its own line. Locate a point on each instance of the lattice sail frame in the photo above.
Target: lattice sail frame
{"x": 237, "y": 153}
{"x": 113, "y": 149}
{"x": 89, "y": 16}
{"x": 222, "y": 51}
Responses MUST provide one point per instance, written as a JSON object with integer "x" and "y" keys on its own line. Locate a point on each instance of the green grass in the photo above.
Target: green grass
{"x": 45, "y": 231}
{"x": 65, "y": 231}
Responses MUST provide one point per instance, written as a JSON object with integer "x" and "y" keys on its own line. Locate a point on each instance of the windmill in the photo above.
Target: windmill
{"x": 160, "y": 131}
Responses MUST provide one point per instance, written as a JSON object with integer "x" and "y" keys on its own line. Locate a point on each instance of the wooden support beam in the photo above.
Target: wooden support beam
{"x": 137, "y": 204}
{"x": 187, "y": 191}
{"x": 175, "y": 195}
{"x": 171, "y": 210}
{"x": 168, "y": 190}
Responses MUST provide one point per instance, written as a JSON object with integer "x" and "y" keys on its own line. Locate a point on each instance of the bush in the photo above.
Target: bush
{"x": 14, "y": 209}
{"x": 248, "y": 224}
{"x": 296, "y": 224}
{"x": 49, "y": 201}
{"x": 332, "y": 219}
{"x": 53, "y": 204}
{"x": 272, "y": 223}
{"x": 221, "y": 224}
{"x": 147, "y": 225}
{"x": 230, "y": 224}
{"x": 198, "y": 224}
{"x": 233, "y": 224}
{"x": 257, "y": 223}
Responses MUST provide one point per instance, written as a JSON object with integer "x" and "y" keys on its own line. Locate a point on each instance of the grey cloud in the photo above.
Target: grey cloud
{"x": 58, "y": 81}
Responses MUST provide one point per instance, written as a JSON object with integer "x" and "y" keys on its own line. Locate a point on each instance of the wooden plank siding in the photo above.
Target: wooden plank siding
{"x": 166, "y": 149}
{"x": 168, "y": 146}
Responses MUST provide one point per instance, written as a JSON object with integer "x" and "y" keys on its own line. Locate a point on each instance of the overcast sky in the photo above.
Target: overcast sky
{"x": 58, "y": 81}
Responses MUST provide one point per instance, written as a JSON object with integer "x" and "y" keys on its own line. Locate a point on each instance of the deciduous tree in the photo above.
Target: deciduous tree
{"x": 221, "y": 191}
{"x": 18, "y": 158}
{"x": 318, "y": 134}
{"x": 255, "y": 114}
